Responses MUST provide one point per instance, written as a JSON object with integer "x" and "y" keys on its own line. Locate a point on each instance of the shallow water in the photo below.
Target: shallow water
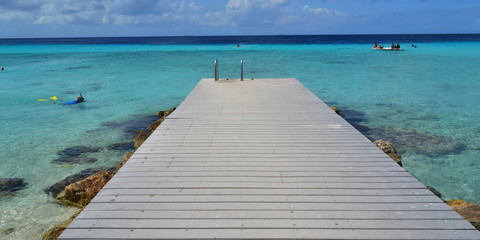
{"x": 425, "y": 99}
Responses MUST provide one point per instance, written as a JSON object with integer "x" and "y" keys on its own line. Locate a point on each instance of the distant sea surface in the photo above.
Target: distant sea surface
{"x": 425, "y": 98}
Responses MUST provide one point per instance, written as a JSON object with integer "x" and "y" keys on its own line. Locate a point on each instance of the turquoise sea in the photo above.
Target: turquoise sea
{"x": 424, "y": 98}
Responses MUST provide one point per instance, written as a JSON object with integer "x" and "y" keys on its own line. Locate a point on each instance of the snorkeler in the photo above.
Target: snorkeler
{"x": 80, "y": 98}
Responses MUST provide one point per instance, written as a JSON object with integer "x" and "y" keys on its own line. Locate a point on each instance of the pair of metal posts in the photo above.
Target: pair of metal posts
{"x": 216, "y": 70}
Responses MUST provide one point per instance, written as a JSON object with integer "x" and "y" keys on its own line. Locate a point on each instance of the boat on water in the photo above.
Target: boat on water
{"x": 386, "y": 49}
{"x": 392, "y": 48}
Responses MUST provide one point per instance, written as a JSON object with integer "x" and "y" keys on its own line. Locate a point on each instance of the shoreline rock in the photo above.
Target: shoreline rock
{"x": 126, "y": 157}
{"x": 58, "y": 187}
{"x": 54, "y": 232}
{"x": 82, "y": 192}
{"x": 162, "y": 115}
{"x": 335, "y": 109}
{"x": 469, "y": 211}
{"x": 140, "y": 137}
{"x": 388, "y": 148}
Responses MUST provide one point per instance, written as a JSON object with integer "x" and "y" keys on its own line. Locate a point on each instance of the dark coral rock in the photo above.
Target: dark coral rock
{"x": 74, "y": 160}
{"x": 7, "y": 231}
{"x": 130, "y": 127}
{"x": 435, "y": 191}
{"x": 77, "y": 151}
{"x": 11, "y": 185}
{"x": 418, "y": 142}
{"x": 78, "y": 67}
{"x": 56, "y": 188}
{"x": 355, "y": 118}
{"x": 126, "y": 146}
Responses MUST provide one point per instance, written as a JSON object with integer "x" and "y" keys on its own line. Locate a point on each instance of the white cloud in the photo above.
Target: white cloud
{"x": 323, "y": 11}
{"x": 14, "y": 16}
{"x": 61, "y": 19}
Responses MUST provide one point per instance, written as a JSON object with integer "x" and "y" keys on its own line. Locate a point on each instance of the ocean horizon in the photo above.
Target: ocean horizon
{"x": 423, "y": 98}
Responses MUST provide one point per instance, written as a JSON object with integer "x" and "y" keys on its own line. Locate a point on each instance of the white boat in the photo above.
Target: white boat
{"x": 386, "y": 49}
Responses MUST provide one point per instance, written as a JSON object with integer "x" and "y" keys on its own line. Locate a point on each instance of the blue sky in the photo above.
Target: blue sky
{"x": 96, "y": 18}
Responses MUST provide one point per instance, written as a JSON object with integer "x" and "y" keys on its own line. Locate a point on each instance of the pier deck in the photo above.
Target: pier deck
{"x": 263, "y": 159}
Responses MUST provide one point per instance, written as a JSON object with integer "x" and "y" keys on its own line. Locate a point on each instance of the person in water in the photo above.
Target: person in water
{"x": 80, "y": 98}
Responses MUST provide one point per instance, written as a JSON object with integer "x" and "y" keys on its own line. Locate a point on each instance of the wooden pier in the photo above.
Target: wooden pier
{"x": 263, "y": 159}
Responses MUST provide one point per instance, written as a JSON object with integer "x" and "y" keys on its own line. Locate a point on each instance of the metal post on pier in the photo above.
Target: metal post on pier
{"x": 241, "y": 70}
{"x": 216, "y": 69}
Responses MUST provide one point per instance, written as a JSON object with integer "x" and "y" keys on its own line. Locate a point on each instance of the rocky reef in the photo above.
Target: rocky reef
{"x": 76, "y": 155}
{"x": 11, "y": 185}
{"x": 407, "y": 140}
{"x": 418, "y": 142}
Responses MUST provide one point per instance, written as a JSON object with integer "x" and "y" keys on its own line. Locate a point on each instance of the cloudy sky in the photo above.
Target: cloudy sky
{"x": 94, "y": 18}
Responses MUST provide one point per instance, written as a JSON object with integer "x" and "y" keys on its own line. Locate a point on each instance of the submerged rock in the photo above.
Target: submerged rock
{"x": 140, "y": 137}
{"x": 469, "y": 211}
{"x": 126, "y": 146}
{"x": 11, "y": 185}
{"x": 388, "y": 148}
{"x": 7, "y": 231}
{"x": 435, "y": 191}
{"x": 130, "y": 127}
{"x": 82, "y": 192}
{"x": 56, "y": 188}
{"x": 355, "y": 118}
{"x": 77, "y": 151}
{"x": 76, "y": 155}
{"x": 74, "y": 160}
{"x": 418, "y": 142}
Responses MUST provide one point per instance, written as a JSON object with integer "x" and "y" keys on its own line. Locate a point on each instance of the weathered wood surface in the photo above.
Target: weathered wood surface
{"x": 263, "y": 159}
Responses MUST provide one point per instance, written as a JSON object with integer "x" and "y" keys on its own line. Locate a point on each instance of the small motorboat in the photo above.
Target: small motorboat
{"x": 392, "y": 48}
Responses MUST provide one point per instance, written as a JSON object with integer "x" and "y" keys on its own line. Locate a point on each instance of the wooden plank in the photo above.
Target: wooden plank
{"x": 305, "y": 198}
{"x": 268, "y": 169}
{"x": 283, "y": 192}
{"x": 260, "y": 163}
{"x": 121, "y": 174}
{"x": 272, "y": 214}
{"x": 247, "y": 206}
{"x": 115, "y": 184}
{"x": 278, "y": 179}
{"x": 270, "y": 233}
{"x": 287, "y": 223}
